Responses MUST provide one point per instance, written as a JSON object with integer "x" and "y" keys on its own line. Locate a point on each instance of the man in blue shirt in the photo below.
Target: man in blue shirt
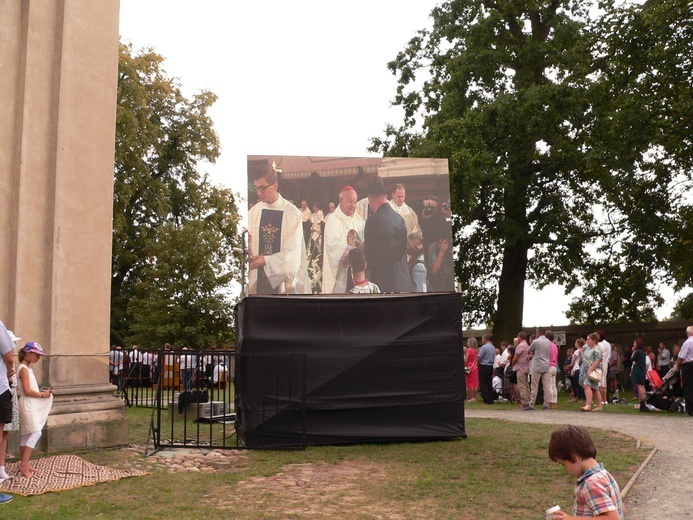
{"x": 487, "y": 353}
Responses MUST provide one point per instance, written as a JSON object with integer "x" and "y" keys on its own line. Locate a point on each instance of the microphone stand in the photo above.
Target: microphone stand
{"x": 243, "y": 251}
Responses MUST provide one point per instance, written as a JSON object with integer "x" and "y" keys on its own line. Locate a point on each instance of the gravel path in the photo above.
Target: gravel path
{"x": 664, "y": 488}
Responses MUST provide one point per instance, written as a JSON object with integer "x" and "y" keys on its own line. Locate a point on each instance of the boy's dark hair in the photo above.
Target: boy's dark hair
{"x": 570, "y": 442}
{"x": 356, "y": 260}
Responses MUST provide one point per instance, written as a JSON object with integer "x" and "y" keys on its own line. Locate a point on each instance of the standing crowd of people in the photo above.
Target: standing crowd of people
{"x": 640, "y": 368}
{"x": 135, "y": 367}
{"x": 179, "y": 375}
{"x": 526, "y": 372}
{"x": 523, "y": 370}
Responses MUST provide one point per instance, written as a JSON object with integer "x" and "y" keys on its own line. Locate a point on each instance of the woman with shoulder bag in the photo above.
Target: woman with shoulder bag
{"x": 591, "y": 361}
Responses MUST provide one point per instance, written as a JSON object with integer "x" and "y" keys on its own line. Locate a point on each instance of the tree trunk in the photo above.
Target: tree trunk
{"x": 511, "y": 294}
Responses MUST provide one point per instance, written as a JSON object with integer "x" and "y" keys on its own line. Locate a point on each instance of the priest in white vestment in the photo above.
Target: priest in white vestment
{"x": 343, "y": 226}
{"x": 276, "y": 250}
{"x": 411, "y": 220}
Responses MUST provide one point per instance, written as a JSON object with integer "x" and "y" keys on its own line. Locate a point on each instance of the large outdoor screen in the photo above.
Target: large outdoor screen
{"x": 336, "y": 225}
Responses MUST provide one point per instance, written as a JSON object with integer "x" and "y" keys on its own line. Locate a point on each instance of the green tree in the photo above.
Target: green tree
{"x": 510, "y": 91}
{"x": 503, "y": 96}
{"x": 634, "y": 301}
{"x": 179, "y": 295}
{"x": 173, "y": 233}
{"x": 642, "y": 98}
{"x": 683, "y": 310}
{"x": 680, "y": 257}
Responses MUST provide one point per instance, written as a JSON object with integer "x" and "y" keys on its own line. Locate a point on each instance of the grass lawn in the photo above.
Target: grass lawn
{"x": 500, "y": 471}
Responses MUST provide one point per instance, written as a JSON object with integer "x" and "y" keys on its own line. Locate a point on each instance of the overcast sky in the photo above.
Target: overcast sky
{"x": 306, "y": 77}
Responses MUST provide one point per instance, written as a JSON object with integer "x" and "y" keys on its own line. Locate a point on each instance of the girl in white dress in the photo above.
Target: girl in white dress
{"x": 34, "y": 405}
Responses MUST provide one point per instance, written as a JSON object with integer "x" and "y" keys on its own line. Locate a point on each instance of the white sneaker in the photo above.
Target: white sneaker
{"x": 4, "y": 476}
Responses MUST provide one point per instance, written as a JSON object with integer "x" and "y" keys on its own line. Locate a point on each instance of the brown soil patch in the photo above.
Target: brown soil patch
{"x": 320, "y": 490}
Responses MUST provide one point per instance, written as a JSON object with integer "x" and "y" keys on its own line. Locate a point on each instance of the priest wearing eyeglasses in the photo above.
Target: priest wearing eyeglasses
{"x": 276, "y": 252}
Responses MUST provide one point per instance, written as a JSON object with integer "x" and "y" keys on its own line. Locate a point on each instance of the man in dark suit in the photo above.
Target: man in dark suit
{"x": 385, "y": 243}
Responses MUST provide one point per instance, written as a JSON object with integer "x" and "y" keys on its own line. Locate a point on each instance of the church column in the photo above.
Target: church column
{"x": 57, "y": 138}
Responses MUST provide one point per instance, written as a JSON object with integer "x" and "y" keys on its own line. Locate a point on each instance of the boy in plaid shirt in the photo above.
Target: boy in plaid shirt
{"x": 596, "y": 491}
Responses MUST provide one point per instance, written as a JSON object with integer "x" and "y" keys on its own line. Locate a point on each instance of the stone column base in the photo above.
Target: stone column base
{"x": 85, "y": 416}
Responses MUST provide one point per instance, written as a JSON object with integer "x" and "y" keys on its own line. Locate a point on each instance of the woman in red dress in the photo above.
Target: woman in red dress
{"x": 470, "y": 368}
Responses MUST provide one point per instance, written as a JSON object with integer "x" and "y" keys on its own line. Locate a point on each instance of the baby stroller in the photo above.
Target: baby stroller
{"x": 664, "y": 395}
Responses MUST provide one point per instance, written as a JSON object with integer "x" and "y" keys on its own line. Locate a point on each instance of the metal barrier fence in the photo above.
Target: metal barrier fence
{"x": 141, "y": 373}
{"x": 192, "y": 395}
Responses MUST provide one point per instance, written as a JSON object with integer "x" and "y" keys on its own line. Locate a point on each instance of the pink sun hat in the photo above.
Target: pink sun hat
{"x": 34, "y": 347}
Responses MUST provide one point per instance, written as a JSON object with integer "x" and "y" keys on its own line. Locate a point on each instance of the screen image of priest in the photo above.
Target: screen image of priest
{"x": 356, "y": 375}
{"x": 400, "y": 220}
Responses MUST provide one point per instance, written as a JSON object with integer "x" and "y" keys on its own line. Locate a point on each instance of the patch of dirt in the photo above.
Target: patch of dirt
{"x": 192, "y": 460}
{"x": 316, "y": 490}
{"x": 320, "y": 491}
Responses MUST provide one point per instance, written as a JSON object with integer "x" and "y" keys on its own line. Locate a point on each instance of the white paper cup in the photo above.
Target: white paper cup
{"x": 550, "y": 511}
